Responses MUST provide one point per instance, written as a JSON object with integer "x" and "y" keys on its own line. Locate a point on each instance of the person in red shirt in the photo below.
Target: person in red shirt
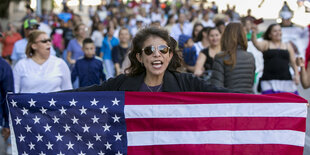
{"x": 8, "y": 39}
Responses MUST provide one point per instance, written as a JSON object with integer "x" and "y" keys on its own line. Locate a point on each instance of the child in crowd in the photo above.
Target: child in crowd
{"x": 89, "y": 68}
{"x": 186, "y": 45}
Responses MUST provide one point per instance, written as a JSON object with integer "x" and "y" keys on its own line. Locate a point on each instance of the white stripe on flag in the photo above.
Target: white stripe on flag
{"x": 216, "y": 137}
{"x": 217, "y": 110}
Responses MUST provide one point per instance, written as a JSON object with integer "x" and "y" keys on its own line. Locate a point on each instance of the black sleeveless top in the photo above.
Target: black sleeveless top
{"x": 209, "y": 63}
{"x": 276, "y": 65}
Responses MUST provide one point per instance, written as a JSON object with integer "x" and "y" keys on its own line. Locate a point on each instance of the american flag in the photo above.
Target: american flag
{"x": 143, "y": 123}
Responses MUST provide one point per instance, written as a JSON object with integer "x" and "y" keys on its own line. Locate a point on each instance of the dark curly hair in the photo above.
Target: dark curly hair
{"x": 135, "y": 67}
{"x": 268, "y": 31}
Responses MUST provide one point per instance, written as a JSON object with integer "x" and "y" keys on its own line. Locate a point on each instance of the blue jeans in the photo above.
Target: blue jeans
{"x": 109, "y": 68}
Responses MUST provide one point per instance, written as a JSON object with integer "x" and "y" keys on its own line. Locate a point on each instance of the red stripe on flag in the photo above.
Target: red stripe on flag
{"x": 160, "y": 98}
{"x": 215, "y": 149}
{"x": 216, "y": 123}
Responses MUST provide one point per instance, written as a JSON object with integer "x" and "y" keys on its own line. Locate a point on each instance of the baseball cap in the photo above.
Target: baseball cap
{"x": 183, "y": 39}
{"x": 30, "y": 23}
{"x": 286, "y": 15}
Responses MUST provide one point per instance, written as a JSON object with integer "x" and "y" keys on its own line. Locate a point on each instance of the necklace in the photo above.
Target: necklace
{"x": 155, "y": 86}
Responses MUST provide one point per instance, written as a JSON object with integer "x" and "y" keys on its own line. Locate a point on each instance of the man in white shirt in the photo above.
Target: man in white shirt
{"x": 182, "y": 27}
{"x": 206, "y": 21}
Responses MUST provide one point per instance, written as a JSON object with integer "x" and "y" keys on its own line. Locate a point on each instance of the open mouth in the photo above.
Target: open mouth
{"x": 157, "y": 64}
{"x": 48, "y": 48}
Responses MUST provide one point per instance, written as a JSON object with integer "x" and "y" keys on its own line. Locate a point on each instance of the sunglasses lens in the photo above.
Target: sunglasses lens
{"x": 46, "y": 40}
{"x": 163, "y": 49}
{"x": 148, "y": 50}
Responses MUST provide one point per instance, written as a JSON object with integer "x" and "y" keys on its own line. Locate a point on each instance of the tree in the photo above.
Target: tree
{"x": 4, "y": 8}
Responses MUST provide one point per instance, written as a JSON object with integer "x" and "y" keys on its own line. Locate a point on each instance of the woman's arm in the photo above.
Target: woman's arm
{"x": 199, "y": 64}
{"x": 260, "y": 45}
{"x": 16, "y": 75}
{"x": 69, "y": 52}
{"x": 66, "y": 76}
{"x": 293, "y": 63}
{"x": 117, "y": 69}
{"x": 304, "y": 74}
{"x": 71, "y": 61}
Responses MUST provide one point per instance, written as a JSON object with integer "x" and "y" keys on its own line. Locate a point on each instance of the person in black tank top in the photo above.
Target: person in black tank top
{"x": 278, "y": 57}
{"x": 205, "y": 58}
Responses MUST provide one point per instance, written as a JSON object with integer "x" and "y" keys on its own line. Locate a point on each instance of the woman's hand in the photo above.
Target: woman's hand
{"x": 254, "y": 29}
{"x": 198, "y": 72}
{"x": 72, "y": 61}
{"x": 300, "y": 62}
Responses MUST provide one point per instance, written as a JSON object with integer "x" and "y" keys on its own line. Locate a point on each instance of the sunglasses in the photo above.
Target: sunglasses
{"x": 45, "y": 41}
{"x": 33, "y": 28}
{"x": 151, "y": 49}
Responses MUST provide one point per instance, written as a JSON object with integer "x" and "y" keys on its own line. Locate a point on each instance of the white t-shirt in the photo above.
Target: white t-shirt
{"x": 199, "y": 47}
{"x": 208, "y": 23}
{"x": 176, "y": 30}
{"x": 97, "y": 37}
{"x": 30, "y": 77}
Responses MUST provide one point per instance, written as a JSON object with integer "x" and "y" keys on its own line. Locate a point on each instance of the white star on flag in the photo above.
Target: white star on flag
{"x": 74, "y": 120}
{"x": 39, "y": 138}
{"x": 108, "y": 146}
{"x": 47, "y": 127}
{"x": 83, "y": 110}
{"x": 31, "y": 146}
{"x": 17, "y": 120}
{"x": 81, "y": 153}
{"x": 21, "y": 138}
{"x": 52, "y": 102}
{"x": 95, "y": 119}
{"x": 60, "y": 153}
{"x": 103, "y": 109}
{"x": 36, "y": 120}
{"x": 67, "y": 128}
{"x": 42, "y": 153}
{"x": 100, "y": 153}
{"x": 63, "y": 111}
{"x": 118, "y": 153}
{"x": 115, "y": 101}
{"x": 73, "y": 102}
{"x": 14, "y": 104}
{"x": 78, "y": 137}
{"x": 106, "y": 127}
{"x": 55, "y": 119}
{"x": 25, "y": 153}
{"x": 49, "y": 146}
{"x": 85, "y": 128}
{"x": 43, "y": 111}
{"x": 32, "y": 102}
{"x": 94, "y": 102}
{"x": 25, "y": 111}
{"x": 59, "y": 137}
{"x": 118, "y": 137}
{"x": 97, "y": 137}
{"x": 28, "y": 128}
{"x": 70, "y": 145}
{"x": 90, "y": 145}
{"x": 116, "y": 118}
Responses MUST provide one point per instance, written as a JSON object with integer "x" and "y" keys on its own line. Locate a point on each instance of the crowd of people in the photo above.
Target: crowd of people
{"x": 167, "y": 47}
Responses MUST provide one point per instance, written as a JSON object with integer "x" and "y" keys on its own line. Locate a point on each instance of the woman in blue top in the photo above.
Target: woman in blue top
{"x": 74, "y": 48}
{"x": 108, "y": 43}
